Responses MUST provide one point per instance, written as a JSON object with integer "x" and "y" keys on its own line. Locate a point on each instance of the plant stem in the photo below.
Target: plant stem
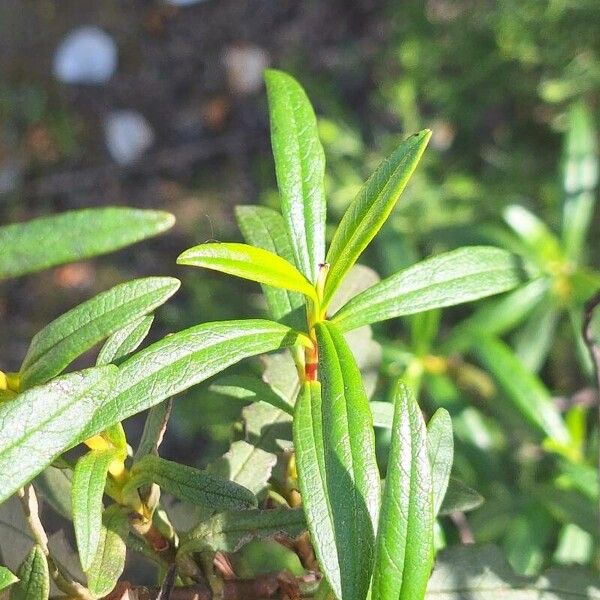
{"x": 30, "y": 505}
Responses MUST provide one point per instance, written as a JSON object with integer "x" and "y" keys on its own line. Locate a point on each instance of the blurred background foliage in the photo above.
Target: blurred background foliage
{"x": 511, "y": 90}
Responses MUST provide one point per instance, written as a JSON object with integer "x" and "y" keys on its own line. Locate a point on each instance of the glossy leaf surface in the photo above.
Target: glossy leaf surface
{"x": 370, "y": 209}
{"x": 300, "y": 169}
{"x": 404, "y": 555}
{"x": 126, "y": 340}
{"x": 445, "y": 280}
{"x": 41, "y": 423}
{"x": 337, "y": 471}
{"x": 81, "y": 328}
{"x": 49, "y": 241}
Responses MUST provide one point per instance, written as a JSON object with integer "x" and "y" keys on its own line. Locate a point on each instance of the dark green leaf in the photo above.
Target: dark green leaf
{"x": 460, "y": 498}
{"x": 265, "y": 228}
{"x": 404, "y": 555}
{"x": 89, "y": 481}
{"x": 63, "y": 340}
{"x": 190, "y": 484}
{"x": 446, "y": 280}
{"x": 300, "y": 169}
{"x": 34, "y": 578}
{"x": 71, "y": 236}
{"x": 370, "y": 209}
{"x": 337, "y": 471}
{"x": 41, "y": 423}
{"x": 184, "y": 359}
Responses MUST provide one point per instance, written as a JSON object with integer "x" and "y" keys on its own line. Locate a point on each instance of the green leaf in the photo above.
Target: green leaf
{"x": 482, "y": 573}
{"x": 451, "y": 278}
{"x": 125, "y": 341}
{"x": 245, "y": 388}
{"x": 383, "y": 414}
{"x": 580, "y": 178}
{"x": 74, "y": 235}
{"x": 248, "y": 262}
{"x": 41, "y": 423}
{"x": 300, "y": 169}
{"x": 527, "y": 393}
{"x": 265, "y": 228}
{"x": 245, "y": 464}
{"x": 370, "y": 209}
{"x": 337, "y": 470}
{"x": 75, "y": 332}
{"x": 440, "y": 449}
{"x": 34, "y": 578}
{"x": 6, "y": 578}
{"x": 54, "y": 485}
{"x": 184, "y": 359}
{"x": 89, "y": 481}
{"x": 109, "y": 561}
{"x": 404, "y": 555}
{"x": 229, "y": 531}
{"x": 190, "y": 484}
{"x": 459, "y": 498}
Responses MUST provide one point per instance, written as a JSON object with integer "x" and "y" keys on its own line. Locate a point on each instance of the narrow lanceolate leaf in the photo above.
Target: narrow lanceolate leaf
{"x": 41, "y": 423}
{"x": 34, "y": 578}
{"x": 248, "y": 262}
{"x": 228, "y": 532}
{"x": 460, "y": 498}
{"x": 6, "y": 578}
{"x": 370, "y": 209}
{"x": 49, "y": 241}
{"x": 184, "y": 359}
{"x": 89, "y": 480}
{"x": 440, "y": 448}
{"x": 526, "y": 392}
{"x": 265, "y": 228}
{"x": 300, "y": 169}
{"x": 337, "y": 470}
{"x": 404, "y": 555}
{"x": 75, "y": 332}
{"x": 580, "y": 178}
{"x": 191, "y": 485}
{"x": 125, "y": 341}
{"x": 446, "y": 280}
{"x": 109, "y": 560}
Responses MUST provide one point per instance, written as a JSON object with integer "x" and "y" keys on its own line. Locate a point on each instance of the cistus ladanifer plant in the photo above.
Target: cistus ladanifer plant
{"x": 62, "y": 436}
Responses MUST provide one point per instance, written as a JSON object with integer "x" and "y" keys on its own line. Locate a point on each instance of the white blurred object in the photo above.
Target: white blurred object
{"x": 86, "y": 55}
{"x": 128, "y": 135}
{"x": 245, "y": 66}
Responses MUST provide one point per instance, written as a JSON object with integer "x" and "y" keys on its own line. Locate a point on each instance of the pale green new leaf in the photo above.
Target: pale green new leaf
{"x": 89, "y": 481}
{"x": 125, "y": 341}
{"x": 184, "y": 359}
{"x": 526, "y": 392}
{"x": 34, "y": 578}
{"x": 229, "y": 531}
{"x": 41, "y": 423}
{"x": 404, "y": 555}
{"x": 74, "y": 235}
{"x": 190, "y": 485}
{"x": 248, "y": 262}
{"x": 300, "y": 169}
{"x": 370, "y": 209}
{"x": 264, "y": 227}
{"x": 6, "y": 578}
{"x": 440, "y": 449}
{"x": 451, "y": 278}
{"x": 337, "y": 470}
{"x": 81, "y": 328}
{"x": 109, "y": 561}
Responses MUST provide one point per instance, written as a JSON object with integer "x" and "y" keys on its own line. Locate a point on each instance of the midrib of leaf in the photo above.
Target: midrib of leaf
{"x": 36, "y": 357}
